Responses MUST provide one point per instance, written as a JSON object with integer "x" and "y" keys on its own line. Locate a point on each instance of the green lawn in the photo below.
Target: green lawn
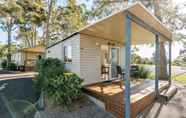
{"x": 180, "y": 78}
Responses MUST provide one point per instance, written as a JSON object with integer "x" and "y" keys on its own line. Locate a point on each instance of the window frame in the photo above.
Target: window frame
{"x": 67, "y": 53}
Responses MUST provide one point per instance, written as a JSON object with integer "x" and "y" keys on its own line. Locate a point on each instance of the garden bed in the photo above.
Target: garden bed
{"x": 81, "y": 109}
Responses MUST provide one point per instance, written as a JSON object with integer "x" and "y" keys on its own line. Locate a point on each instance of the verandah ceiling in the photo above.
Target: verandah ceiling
{"x": 113, "y": 28}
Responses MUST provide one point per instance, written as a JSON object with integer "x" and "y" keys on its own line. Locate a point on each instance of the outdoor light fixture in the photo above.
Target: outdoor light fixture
{"x": 97, "y": 44}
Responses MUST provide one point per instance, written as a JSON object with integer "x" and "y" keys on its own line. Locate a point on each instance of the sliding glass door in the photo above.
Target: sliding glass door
{"x": 114, "y": 61}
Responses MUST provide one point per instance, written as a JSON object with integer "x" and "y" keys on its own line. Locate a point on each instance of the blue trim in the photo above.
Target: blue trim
{"x": 127, "y": 65}
{"x": 157, "y": 68}
{"x": 170, "y": 59}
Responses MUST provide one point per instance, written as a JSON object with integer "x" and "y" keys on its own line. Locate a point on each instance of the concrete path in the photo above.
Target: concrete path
{"x": 176, "y": 107}
{"x": 17, "y": 75}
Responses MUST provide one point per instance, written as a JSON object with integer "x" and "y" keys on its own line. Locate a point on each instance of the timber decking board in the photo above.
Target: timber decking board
{"x": 142, "y": 95}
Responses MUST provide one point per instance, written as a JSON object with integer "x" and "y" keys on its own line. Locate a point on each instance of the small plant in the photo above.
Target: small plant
{"x": 12, "y": 66}
{"x": 139, "y": 72}
{"x": 143, "y": 73}
{"x": 4, "y": 64}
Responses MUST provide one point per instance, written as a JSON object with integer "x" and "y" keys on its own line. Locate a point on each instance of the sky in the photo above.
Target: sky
{"x": 144, "y": 48}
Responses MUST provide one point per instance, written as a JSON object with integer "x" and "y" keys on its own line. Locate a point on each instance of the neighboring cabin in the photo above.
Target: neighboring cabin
{"x": 27, "y": 57}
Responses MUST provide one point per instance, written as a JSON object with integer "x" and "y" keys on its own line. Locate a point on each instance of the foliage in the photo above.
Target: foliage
{"x": 60, "y": 87}
{"x": 47, "y": 68}
{"x": 181, "y": 59}
{"x": 63, "y": 89}
{"x": 151, "y": 75}
{"x": 137, "y": 59}
{"x": 4, "y": 64}
{"x": 4, "y": 49}
{"x": 143, "y": 73}
{"x": 12, "y": 66}
{"x": 9, "y": 13}
{"x": 66, "y": 20}
{"x": 140, "y": 72}
{"x": 33, "y": 14}
{"x": 180, "y": 78}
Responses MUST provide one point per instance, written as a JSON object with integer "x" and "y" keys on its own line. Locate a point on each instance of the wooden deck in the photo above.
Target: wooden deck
{"x": 111, "y": 93}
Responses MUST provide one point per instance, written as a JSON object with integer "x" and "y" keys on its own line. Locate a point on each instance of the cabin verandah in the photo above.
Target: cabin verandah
{"x": 133, "y": 26}
{"x": 112, "y": 96}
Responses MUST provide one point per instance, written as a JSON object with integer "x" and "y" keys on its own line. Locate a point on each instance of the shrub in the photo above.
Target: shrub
{"x": 60, "y": 87}
{"x": 63, "y": 89}
{"x": 143, "y": 73}
{"x": 12, "y": 66}
{"x": 4, "y": 64}
{"x": 140, "y": 72}
{"x": 47, "y": 68}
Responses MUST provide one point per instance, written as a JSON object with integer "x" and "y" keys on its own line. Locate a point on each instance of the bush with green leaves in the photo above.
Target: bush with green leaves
{"x": 47, "y": 68}
{"x": 4, "y": 64}
{"x": 60, "y": 87}
{"x": 140, "y": 72}
{"x": 143, "y": 73}
{"x": 12, "y": 66}
{"x": 63, "y": 89}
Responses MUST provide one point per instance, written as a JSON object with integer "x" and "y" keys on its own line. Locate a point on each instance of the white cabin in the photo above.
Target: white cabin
{"x": 102, "y": 43}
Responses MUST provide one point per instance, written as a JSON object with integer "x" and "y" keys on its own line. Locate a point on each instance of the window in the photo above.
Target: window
{"x": 67, "y": 54}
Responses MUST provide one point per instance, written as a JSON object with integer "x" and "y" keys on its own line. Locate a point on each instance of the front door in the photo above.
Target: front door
{"x": 114, "y": 61}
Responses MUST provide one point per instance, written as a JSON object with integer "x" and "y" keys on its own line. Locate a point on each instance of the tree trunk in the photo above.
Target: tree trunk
{"x": 163, "y": 61}
{"x": 35, "y": 35}
{"x": 51, "y": 3}
{"x": 9, "y": 46}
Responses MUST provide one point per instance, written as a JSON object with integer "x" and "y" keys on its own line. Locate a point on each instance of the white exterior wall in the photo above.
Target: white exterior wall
{"x": 86, "y": 56}
{"x": 90, "y": 58}
{"x": 18, "y": 58}
{"x": 57, "y": 51}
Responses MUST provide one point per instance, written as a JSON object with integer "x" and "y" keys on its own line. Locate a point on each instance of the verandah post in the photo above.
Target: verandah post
{"x": 127, "y": 40}
{"x": 157, "y": 61}
{"x": 170, "y": 59}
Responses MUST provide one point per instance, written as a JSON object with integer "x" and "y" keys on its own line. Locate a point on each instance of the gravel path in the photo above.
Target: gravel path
{"x": 176, "y": 107}
{"x": 87, "y": 110}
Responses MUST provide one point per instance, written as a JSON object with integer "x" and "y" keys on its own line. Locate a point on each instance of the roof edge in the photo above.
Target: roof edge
{"x": 62, "y": 39}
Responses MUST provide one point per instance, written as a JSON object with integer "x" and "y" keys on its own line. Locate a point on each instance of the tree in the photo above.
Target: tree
{"x": 163, "y": 60}
{"x": 66, "y": 20}
{"x": 48, "y": 20}
{"x": 9, "y": 13}
{"x": 33, "y": 16}
{"x": 181, "y": 59}
{"x": 4, "y": 49}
